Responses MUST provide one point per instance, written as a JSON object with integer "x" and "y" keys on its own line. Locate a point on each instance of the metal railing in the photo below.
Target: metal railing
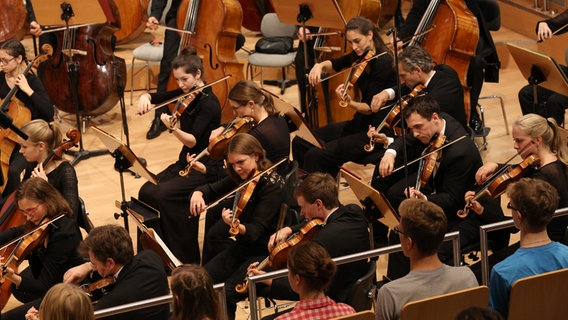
{"x": 220, "y": 288}
{"x": 451, "y": 236}
{"x": 484, "y": 242}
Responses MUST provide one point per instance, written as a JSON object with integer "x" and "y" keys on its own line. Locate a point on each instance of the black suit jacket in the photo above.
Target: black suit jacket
{"x": 143, "y": 278}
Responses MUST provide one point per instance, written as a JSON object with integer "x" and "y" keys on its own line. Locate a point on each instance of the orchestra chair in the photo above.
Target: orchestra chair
{"x": 83, "y": 219}
{"x": 446, "y": 306}
{"x": 363, "y": 292}
{"x": 271, "y": 26}
{"x": 539, "y": 297}
{"x": 363, "y": 315}
{"x": 147, "y": 52}
{"x": 492, "y": 16}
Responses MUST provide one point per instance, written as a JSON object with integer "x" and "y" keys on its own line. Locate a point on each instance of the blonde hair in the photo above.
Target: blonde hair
{"x": 39, "y": 130}
{"x": 66, "y": 301}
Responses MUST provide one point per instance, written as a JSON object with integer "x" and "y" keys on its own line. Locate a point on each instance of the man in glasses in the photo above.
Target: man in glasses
{"x": 422, "y": 227}
{"x": 532, "y": 203}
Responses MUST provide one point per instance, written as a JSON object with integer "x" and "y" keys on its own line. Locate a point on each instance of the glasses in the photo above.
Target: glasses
{"x": 31, "y": 210}
{"x": 509, "y": 206}
{"x": 398, "y": 231}
{"x": 6, "y": 61}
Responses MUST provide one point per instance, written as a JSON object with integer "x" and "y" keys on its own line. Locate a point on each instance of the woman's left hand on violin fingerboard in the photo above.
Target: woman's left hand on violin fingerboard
{"x": 169, "y": 121}
{"x": 414, "y": 194}
{"x": 227, "y": 216}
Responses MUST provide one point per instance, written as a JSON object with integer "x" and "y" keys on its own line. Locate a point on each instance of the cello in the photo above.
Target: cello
{"x": 453, "y": 41}
{"x": 133, "y": 16}
{"x": 13, "y": 17}
{"x": 214, "y": 27}
{"x": 84, "y": 61}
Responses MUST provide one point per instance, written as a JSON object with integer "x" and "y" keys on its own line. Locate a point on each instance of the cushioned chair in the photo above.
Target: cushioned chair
{"x": 148, "y": 53}
{"x": 272, "y": 27}
{"x": 362, "y": 293}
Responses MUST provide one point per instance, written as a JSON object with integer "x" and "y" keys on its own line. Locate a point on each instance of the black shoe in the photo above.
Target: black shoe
{"x": 155, "y": 129}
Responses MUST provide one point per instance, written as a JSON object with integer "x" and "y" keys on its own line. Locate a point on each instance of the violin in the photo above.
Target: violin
{"x": 392, "y": 120}
{"x": 216, "y": 147}
{"x": 354, "y": 75}
{"x": 279, "y": 255}
{"x": 99, "y": 288}
{"x": 428, "y": 164}
{"x": 241, "y": 199}
{"x": 497, "y": 185}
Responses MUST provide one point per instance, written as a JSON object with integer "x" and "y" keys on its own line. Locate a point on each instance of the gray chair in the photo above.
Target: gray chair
{"x": 272, "y": 27}
{"x": 148, "y": 53}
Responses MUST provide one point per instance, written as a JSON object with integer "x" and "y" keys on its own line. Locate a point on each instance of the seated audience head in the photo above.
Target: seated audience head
{"x": 532, "y": 203}
{"x": 478, "y": 313}
{"x": 66, "y": 301}
{"x": 109, "y": 248}
{"x": 310, "y": 268}
{"x": 194, "y": 296}
{"x": 248, "y": 99}
{"x": 423, "y": 118}
{"x": 245, "y": 155}
{"x": 533, "y": 132}
{"x": 38, "y": 199}
{"x": 316, "y": 195}
{"x": 42, "y": 138}
{"x": 423, "y": 225}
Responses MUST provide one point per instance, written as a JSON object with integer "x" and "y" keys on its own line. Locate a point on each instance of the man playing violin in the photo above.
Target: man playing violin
{"x": 449, "y": 177}
{"x": 344, "y": 232}
{"x": 136, "y": 278}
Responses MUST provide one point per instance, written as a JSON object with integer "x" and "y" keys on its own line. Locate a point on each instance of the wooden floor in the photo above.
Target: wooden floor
{"x": 100, "y": 185}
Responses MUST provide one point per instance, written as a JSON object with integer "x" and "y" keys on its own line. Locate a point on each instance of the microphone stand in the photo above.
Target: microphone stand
{"x": 312, "y": 100}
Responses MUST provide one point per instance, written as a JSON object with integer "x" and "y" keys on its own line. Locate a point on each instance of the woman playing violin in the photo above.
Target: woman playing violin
{"x": 344, "y": 141}
{"x": 535, "y": 135}
{"x": 192, "y": 129}
{"x": 245, "y": 157}
{"x": 31, "y": 94}
{"x": 41, "y": 202}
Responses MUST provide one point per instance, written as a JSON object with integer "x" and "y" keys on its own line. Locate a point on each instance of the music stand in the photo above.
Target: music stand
{"x": 300, "y": 12}
{"x": 303, "y": 129}
{"x": 539, "y": 69}
{"x": 124, "y": 159}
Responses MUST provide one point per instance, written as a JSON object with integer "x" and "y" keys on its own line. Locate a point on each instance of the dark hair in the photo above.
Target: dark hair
{"x": 536, "y": 199}
{"x": 425, "y": 106}
{"x": 415, "y": 56}
{"x": 244, "y": 143}
{"x": 41, "y": 191}
{"x": 478, "y": 313}
{"x": 321, "y": 186}
{"x": 312, "y": 262}
{"x": 14, "y": 48}
{"x": 364, "y": 25}
{"x": 109, "y": 241}
{"x": 189, "y": 61}
{"x": 246, "y": 90}
{"x": 424, "y": 222}
{"x": 194, "y": 296}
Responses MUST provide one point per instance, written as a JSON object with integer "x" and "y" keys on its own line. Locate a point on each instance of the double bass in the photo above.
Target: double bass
{"x": 252, "y": 13}
{"x": 214, "y": 26}
{"x": 84, "y": 61}
{"x": 133, "y": 16}
{"x": 13, "y": 17}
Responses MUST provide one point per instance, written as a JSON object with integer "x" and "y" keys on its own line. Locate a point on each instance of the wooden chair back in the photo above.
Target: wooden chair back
{"x": 362, "y": 315}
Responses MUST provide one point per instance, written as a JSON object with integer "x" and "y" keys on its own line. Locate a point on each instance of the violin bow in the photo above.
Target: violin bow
{"x": 3, "y": 248}
{"x": 172, "y": 29}
{"x": 184, "y": 95}
{"x": 280, "y": 224}
{"x": 242, "y": 185}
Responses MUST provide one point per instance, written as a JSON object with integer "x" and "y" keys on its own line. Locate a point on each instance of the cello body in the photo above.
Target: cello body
{"x": 13, "y": 19}
{"x": 332, "y": 112}
{"x": 133, "y": 16}
{"x": 8, "y": 138}
{"x": 215, "y": 25}
{"x": 98, "y": 71}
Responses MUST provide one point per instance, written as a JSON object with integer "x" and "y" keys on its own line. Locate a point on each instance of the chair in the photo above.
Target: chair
{"x": 446, "y": 306}
{"x": 363, "y": 315}
{"x": 539, "y": 297}
{"x": 362, "y": 293}
{"x": 83, "y": 219}
{"x": 147, "y": 52}
{"x": 272, "y": 27}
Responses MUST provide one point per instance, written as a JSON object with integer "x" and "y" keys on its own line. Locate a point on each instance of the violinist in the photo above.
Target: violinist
{"x": 550, "y": 103}
{"x": 451, "y": 173}
{"x": 192, "y": 129}
{"x": 226, "y": 260}
{"x": 31, "y": 94}
{"x": 344, "y": 141}
{"x": 40, "y": 202}
{"x": 317, "y": 196}
{"x": 136, "y": 277}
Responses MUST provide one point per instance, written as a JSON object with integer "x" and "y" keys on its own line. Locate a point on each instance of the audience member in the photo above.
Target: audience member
{"x": 194, "y": 296}
{"x": 63, "y": 301}
{"x": 478, "y": 313}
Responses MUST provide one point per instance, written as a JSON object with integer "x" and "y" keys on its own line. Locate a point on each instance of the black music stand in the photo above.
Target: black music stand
{"x": 88, "y": 12}
{"x": 124, "y": 159}
{"x": 539, "y": 69}
{"x": 302, "y": 12}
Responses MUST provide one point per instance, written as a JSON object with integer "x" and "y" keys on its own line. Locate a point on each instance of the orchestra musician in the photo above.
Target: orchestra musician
{"x": 451, "y": 173}
{"x": 136, "y": 278}
{"x": 40, "y": 202}
{"x": 317, "y": 196}
{"x": 549, "y": 103}
{"x": 344, "y": 141}
{"x": 31, "y": 94}
{"x": 192, "y": 129}
{"x": 257, "y": 221}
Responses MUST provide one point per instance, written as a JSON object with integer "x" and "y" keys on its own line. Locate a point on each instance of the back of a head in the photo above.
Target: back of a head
{"x": 536, "y": 200}
{"x": 66, "y": 302}
{"x": 478, "y": 313}
{"x": 194, "y": 296}
{"x": 312, "y": 262}
{"x": 424, "y": 222}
